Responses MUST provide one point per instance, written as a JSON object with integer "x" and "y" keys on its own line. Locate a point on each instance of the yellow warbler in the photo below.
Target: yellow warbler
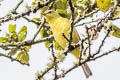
{"x": 60, "y": 25}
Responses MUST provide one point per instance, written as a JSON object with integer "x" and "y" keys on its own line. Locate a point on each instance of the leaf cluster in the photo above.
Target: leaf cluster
{"x": 13, "y": 36}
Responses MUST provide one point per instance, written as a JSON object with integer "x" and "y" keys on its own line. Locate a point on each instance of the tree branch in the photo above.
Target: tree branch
{"x": 27, "y": 12}
{"x": 25, "y": 43}
{"x": 13, "y": 59}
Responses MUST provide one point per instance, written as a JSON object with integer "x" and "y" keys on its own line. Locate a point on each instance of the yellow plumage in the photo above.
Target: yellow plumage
{"x": 60, "y": 25}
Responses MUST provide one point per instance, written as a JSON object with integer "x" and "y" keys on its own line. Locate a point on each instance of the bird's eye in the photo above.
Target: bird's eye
{"x": 49, "y": 12}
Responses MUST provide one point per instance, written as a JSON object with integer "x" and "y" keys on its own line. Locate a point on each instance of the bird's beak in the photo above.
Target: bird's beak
{"x": 43, "y": 14}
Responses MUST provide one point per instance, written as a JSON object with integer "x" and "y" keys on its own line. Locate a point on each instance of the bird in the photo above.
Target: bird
{"x": 60, "y": 25}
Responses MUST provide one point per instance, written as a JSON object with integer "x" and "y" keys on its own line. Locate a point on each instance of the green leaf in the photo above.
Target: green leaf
{"x": 63, "y": 13}
{"x": 22, "y": 36}
{"x": 27, "y": 48}
{"x": 12, "y": 52}
{"x": 23, "y": 57}
{"x": 74, "y": 1}
{"x": 12, "y": 28}
{"x": 33, "y": 3}
{"x": 22, "y": 33}
{"x": 60, "y": 4}
{"x": 116, "y": 31}
{"x": 57, "y": 46}
{"x": 44, "y": 33}
{"x": 105, "y": 5}
{"x": 63, "y": 1}
{"x": 23, "y": 29}
{"x": 80, "y": 8}
{"x": 115, "y": 28}
{"x": 42, "y": 10}
{"x": 60, "y": 56}
{"x": 83, "y": 2}
{"x": 115, "y": 34}
{"x": 19, "y": 55}
{"x": 79, "y": 2}
{"x": 50, "y": 64}
{"x": 36, "y": 19}
{"x": 117, "y": 13}
{"x": 47, "y": 45}
{"x": 6, "y": 35}
{"x": 14, "y": 36}
{"x": 3, "y": 40}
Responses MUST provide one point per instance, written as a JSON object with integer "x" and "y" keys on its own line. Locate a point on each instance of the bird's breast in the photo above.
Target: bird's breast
{"x": 60, "y": 27}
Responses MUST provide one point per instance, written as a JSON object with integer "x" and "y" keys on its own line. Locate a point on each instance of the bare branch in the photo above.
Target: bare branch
{"x": 40, "y": 27}
{"x": 89, "y": 41}
{"x": 87, "y": 60}
{"x": 55, "y": 62}
{"x": 25, "y": 43}
{"x": 72, "y": 20}
{"x": 13, "y": 59}
{"x": 14, "y": 10}
{"x": 27, "y": 12}
{"x": 78, "y": 18}
{"x": 102, "y": 42}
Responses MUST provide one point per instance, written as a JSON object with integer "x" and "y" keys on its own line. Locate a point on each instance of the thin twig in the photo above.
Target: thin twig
{"x": 89, "y": 42}
{"x": 72, "y": 20}
{"x": 106, "y": 53}
{"x": 27, "y": 12}
{"x": 38, "y": 23}
{"x": 71, "y": 23}
{"x": 55, "y": 62}
{"x": 92, "y": 21}
{"x": 81, "y": 51}
{"x": 65, "y": 37}
{"x": 78, "y": 18}
{"x": 14, "y": 10}
{"x": 87, "y": 60}
{"x": 44, "y": 72}
{"x": 107, "y": 17}
{"x": 40, "y": 27}
{"x": 25, "y": 43}
{"x": 13, "y": 59}
{"x": 102, "y": 43}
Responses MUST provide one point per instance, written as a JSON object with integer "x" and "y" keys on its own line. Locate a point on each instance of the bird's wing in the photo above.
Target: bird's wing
{"x": 75, "y": 36}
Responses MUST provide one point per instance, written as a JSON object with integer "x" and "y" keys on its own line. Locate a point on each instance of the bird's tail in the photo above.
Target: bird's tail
{"x": 85, "y": 67}
{"x": 86, "y": 70}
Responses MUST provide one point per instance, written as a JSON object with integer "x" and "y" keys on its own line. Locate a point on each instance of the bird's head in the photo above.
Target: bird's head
{"x": 50, "y": 14}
